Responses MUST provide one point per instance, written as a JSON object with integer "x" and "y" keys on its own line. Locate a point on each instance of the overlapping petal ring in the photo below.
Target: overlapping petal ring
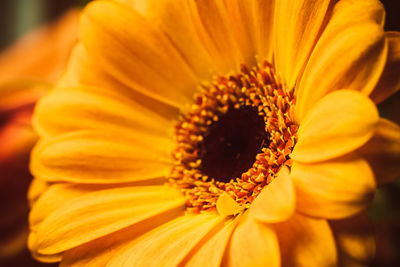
{"x": 106, "y": 134}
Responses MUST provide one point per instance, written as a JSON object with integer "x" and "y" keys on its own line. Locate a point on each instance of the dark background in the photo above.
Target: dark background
{"x": 19, "y": 16}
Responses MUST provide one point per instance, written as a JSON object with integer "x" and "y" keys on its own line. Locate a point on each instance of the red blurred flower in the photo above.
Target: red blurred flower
{"x": 27, "y": 70}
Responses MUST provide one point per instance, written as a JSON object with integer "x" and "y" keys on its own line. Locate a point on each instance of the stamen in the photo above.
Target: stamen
{"x": 262, "y": 107}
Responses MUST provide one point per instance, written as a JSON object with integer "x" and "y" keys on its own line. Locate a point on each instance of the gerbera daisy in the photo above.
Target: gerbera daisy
{"x": 212, "y": 133}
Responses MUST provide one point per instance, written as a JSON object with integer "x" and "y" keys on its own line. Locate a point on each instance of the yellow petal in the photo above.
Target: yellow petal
{"x": 174, "y": 18}
{"x": 212, "y": 251}
{"x": 53, "y": 197}
{"x": 351, "y": 53}
{"x": 139, "y": 5}
{"x": 333, "y": 189}
{"x": 355, "y": 239}
{"x": 84, "y": 73}
{"x": 389, "y": 83}
{"x": 93, "y": 108}
{"x": 103, "y": 212}
{"x": 297, "y": 26}
{"x": 95, "y": 157}
{"x": 227, "y": 206}
{"x": 101, "y": 251}
{"x": 263, "y": 21}
{"x": 36, "y": 189}
{"x": 253, "y": 244}
{"x": 383, "y": 152}
{"x": 251, "y": 23}
{"x": 32, "y": 245}
{"x": 211, "y": 23}
{"x": 306, "y": 242}
{"x": 276, "y": 202}
{"x": 339, "y": 123}
{"x": 168, "y": 244}
{"x": 140, "y": 56}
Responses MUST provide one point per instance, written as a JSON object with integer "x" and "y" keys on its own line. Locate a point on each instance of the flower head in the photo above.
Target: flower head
{"x": 215, "y": 132}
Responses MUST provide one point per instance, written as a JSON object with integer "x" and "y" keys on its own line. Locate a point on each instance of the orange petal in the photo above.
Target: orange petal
{"x": 276, "y": 202}
{"x": 355, "y": 240}
{"x": 212, "y": 251}
{"x": 139, "y": 5}
{"x": 251, "y": 23}
{"x": 389, "y": 82}
{"x": 105, "y": 158}
{"x": 227, "y": 206}
{"x": 383, "y": 152}
{"x": 94, "y": 109}
{"x": 142, "y": 57}
{"x": 52, "y": 197}
{"x": 84, "y": 73}
{"x": 355, "y": 26}
{"x": 297, "y": 26}
{"x": 167, "y": 244}
{"x": 175, "y": 19}
{"x": 32, "y": 245}
{"x": 100, "y": 213}
{"x": 333, "y": 189}
{"x": 339, "y": 123}
{"x": 253, "y": 244}
{"x": 36, "y": 189}
{"x": 101, "y": 251}
{"x": 306, "y": 242}
{"x": 211, "y": 23}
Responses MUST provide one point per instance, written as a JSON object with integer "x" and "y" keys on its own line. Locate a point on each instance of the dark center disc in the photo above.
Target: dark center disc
{"x": 231, "y": 144}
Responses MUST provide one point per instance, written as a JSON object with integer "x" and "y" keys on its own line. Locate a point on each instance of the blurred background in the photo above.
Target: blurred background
{"x": 54, "y": 18}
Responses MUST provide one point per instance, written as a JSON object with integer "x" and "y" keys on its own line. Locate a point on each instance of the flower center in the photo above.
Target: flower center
{"x": 230, "y": 146}
{"x": 236, "y": 137}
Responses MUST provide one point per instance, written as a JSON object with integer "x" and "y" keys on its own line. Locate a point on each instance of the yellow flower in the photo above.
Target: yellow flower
{"x": 145, "y": 142}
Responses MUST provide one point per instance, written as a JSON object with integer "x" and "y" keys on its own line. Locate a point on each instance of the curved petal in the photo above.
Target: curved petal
{"x": 142, "y": 57}
{"x": 297, "y": 26}
{"x": 339, "y": 123}
{"x": 174, "y": 18}
{"x": 169, "y": 243}
{"x": 36, "y": 189}
{"x": 211, "y": 23}
{"x": 389, "y": 82}
{"x": 139, "y": 5}
{"x": 251, "y": 23}
{"x": 253, "y": 244}
{"x": 383, "y": 152}
{"x": 92, "y": 108}
{"x": 32, "y": 245}
{"x": 54, "y": 197}
{"x": 212, "y": 251}
{"x": 226, "y": 205}
{"x": 333, "y": 189}
{"x": 306, "y": 242}
{"x": 101, "y": 251}
{"x": 355, "y": 240}
{"x": 351, "y": 53}
{"x": 84, "y": 72}
{"x": 276, "y": 202}
{"x": 91, "y": 157}
{"x": 103, "y": 212}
